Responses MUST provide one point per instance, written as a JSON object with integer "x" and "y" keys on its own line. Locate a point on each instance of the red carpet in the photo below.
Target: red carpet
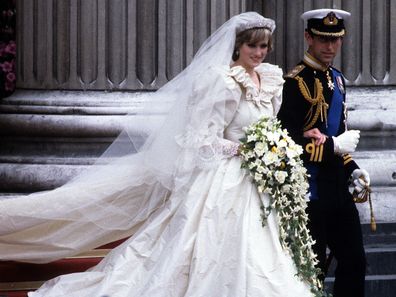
{"x": 14, "y": 294}
{"x": 16, "y": 279}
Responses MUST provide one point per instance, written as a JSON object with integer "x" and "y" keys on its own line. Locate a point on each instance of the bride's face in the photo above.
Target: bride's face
{"x": 252, "y": 54}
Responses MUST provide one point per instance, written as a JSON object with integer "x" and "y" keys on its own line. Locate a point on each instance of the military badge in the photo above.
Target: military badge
{"x": 330, "y": 19}
{"x": 340, "y": 84}
{"x": 330, "y": 83}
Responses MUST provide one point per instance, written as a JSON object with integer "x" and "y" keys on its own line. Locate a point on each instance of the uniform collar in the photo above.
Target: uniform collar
{"x": 314, "y": 63}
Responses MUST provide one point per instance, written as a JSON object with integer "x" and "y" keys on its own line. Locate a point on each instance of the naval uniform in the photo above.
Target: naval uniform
{"x": 314, "y": 97}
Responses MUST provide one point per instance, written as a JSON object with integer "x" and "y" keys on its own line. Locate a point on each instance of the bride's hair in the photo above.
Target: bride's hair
{"x": 253, "y": 35}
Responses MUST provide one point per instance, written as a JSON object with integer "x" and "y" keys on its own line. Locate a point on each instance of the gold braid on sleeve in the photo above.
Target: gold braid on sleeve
{"x": 318, "y": 103}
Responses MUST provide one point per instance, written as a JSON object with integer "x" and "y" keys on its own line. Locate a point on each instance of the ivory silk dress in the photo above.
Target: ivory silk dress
{"x": 208, "y": 240}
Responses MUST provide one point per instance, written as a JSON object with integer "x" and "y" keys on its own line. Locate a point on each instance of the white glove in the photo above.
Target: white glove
{"x": 346, "y": 142}
{"x": 361, "y": 179}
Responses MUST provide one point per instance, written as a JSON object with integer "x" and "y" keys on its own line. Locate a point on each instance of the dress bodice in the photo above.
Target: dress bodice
{"x": 255, "y": 102}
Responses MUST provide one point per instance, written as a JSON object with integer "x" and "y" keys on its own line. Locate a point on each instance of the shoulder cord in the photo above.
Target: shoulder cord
{"x": 318, "y": 101}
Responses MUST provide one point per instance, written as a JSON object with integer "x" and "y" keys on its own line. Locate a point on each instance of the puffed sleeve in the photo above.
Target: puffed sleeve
{"x": 272, "y": 84}
{"x": 216, "y": 100}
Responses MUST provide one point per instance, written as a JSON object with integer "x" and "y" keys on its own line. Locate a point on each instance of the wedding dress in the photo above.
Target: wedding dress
{"x": 191, "y": 214}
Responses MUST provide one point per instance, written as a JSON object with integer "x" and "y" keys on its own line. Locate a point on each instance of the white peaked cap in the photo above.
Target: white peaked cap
{"x": 323, "y": 12}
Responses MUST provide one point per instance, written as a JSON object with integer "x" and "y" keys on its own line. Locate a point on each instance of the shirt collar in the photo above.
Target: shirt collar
{"x": 314, "y": 63}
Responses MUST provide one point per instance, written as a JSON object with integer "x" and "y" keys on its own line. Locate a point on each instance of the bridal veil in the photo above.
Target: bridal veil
{"x": 143, "y": 165}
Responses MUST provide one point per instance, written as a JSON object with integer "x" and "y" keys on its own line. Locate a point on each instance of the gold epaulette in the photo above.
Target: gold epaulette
{"x": 296, "y": 70}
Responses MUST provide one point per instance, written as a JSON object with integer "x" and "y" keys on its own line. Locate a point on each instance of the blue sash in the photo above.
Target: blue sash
{"x": 333, "y": 124}
{"x": 335, "y": 111}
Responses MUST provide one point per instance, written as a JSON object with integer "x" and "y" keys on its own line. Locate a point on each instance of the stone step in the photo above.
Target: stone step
{"x": 380, "y": 249}
{"x": 375, "y": 285}
{"x": 75, "y": 126}
{"x": 384, "y": 207}
{"x": 385, "y": 235}
{"x": 27, "y": 178}
{"x": 380, "y": 261}
{"x": 372, "y": 110}
{"x": 73, "y": 114}
{"x": 63, "y": 147}
{"x": 75, "y": 101}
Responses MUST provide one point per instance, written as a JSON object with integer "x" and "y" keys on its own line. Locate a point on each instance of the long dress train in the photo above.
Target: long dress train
{"x": 203, "y": 239}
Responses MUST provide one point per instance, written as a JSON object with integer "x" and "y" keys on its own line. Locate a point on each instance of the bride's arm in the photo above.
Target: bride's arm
{"x": 214, "y": 109}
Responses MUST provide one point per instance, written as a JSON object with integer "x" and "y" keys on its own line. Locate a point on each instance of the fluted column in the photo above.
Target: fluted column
{"x": 366, "y": 58}
{"x": 112, "y": 44}
{"x": 135, "y": 44}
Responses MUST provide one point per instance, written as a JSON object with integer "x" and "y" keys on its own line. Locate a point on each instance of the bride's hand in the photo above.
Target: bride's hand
{"x": 318, "y": 136}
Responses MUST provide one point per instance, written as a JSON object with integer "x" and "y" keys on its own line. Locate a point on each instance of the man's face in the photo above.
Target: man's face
{"x": 324, "y": 49}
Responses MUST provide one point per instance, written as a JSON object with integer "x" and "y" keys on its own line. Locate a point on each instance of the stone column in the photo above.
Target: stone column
{"x": 112, "y": 45}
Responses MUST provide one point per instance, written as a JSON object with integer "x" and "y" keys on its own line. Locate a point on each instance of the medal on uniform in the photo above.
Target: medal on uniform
{"x": 340, "y": 84}
{"x": 330, "y": 83}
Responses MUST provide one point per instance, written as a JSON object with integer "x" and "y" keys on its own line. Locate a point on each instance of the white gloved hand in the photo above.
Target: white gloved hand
{"x": 346, "y": 142}
{"x": 361, "y": 179}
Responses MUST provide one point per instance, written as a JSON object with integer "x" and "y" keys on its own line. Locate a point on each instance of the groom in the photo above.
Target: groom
{"x": 314, "y": 113}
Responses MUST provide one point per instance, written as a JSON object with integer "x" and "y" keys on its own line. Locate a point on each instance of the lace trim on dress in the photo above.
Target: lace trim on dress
{"x": 271, "y": 82}
{"x": 227, "y": 147}
{"x": 210, "y": 147}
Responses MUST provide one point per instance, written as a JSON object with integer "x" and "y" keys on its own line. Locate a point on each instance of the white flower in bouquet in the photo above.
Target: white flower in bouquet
{"x": 257, "y": 163}
{"x": 273, "y": 161}
{"x": 292, "y": 153}
{"x": 260, "y": 188}
{"x": 270, "y": 158}
{"x": 262, "y": 169}
{"x": 280, "y": 176}
{"x": 259, "y": 149}
{"x": 251, "y": 166}
{"x": 292, "y": 162}
{"x": 272, "y": 136}
{"x": 252, "y": 137}
{"x": 258, "y": 176}
{"x": 282, "y": 143}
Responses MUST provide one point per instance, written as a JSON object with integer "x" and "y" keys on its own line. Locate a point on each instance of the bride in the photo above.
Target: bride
{"x": 191, "y": 214}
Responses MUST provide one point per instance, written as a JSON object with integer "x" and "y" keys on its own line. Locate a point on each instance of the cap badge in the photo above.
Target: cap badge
{"x": 330, "y": 19}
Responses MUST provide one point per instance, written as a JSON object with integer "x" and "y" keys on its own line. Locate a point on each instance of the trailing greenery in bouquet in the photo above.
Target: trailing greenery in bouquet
{"x": 7, "y": 47}
{"x": 273, "y": 161}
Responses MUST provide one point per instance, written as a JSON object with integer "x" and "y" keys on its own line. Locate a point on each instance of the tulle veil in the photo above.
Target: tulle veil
{"x": 143, "y": 165}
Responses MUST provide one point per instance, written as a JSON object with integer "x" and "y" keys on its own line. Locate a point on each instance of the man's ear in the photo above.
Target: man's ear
{"x": 308, "y": 38}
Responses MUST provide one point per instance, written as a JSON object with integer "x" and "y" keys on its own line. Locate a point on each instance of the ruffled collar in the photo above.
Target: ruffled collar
{"x": 271, "y": 82}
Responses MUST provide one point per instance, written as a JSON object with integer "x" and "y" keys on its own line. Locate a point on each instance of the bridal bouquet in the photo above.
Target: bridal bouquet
{"x": 273, "y": 161}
